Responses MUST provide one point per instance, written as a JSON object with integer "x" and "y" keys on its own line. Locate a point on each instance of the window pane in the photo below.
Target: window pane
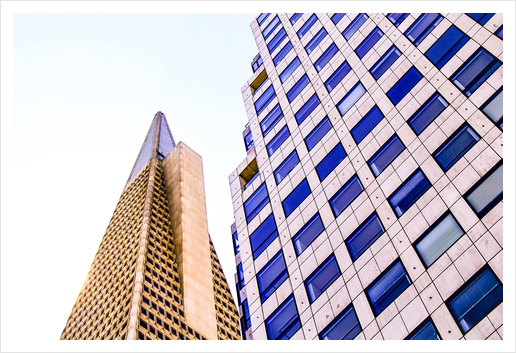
{"x": 295, "y": 17}
{"x": 308, "y": 234}
{"x": 481, "y": 18}
{"x": 286, "y": 167}
{"x": 475, "y": 299}
{"x": 248, "y": 141}
{"x": 289, "y": 69}
{"x": 456, "y": 146}
{"x": 246, "y": 316}
{"x": 284, "y": 322}
{"x": 317, "y": 133}
{"x": 364, "y": 236}
{"x": 404, "y": 85}
{"x": 278, "y": 140}
{"x": 307, "y": 109}
{"x": 409, "y": 192}
{"x": 298, "y": 87}
{"x": 256, "y": 202}
{"x": 266, "y": 97}
{"x": 446, "y": 46}
{"x": 316, "y": 40}
{"x": 322, "y": 278}
{"x": 397, "y": 18}
{"x": 271, "y": 276}
{"x": 263, "y": 236}
{"x": 276, "y": 41}
{"x": 330, "y": 162}
{"x": 427, "y": 113}
{"x": 385, "y": 62}
{"x": 337, "y": 17}
{"x": 337, "y": 76}
{"x": 271, "y": 119}
{"x": 499, "y": 32}
{"x": 296, "y": 197}
{"x": 493, "y": 108}
{"x": 438, "y": 239}
{"x": 425, "y": 331}
{"x": 367, "y": 124}
{"x": 345, "y": 196}
{"x": 306, "y": 27}
{"x": 387, "y": 287}
{"x": 475, "y": 71}
{"x": 351, "y": 98}
{"x": 326, "y": 57}
{"x": 422, "y": 27}
{"x": 344, "y": 327}
{"x": 369, "y": 42}
{"x": 385, "y": 155}
{"x": 262, "y": 18}
{"x": 486, "y": 194}
{"x": 282, "y": 53}
{"x": 354, "y": 25}
{"x": 271, "y": 27}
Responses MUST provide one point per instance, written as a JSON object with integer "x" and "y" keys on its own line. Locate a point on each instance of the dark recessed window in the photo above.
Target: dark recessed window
{"x": 409, "y": 192}
{"x": 276, "y": 41}
{"x": 282, "y": 53}
{"x": 317, "y": 133}
{"x": 277, "y": 140}
{"x": 271, "y": 119}
{"x": 427, "y": 113}
{"x": 446, "y": 46}
{"x": 425, "y": 331}
{"x": 284, "y": 322}
{"x": 387, "y": 287}
{"x": 422, "y": 27}
{"x": 271, "y": 276}
{"x": 337, "y": 76}
{"x": 364, "y": 236}
{"x": 326, "y": 57}
{"x": 271, "y": 27}
{"x": 344, "y": 327}
{"x": 316, "y": 40}
{"x": 493, "y": 108}
{"x": 307, "y": 109}
{"x": 385, "y": 62}
{"x": 263, "y": 236}
{"x": 289, "y": 69}
{"x": 345, "y": 196}
{"x": 385, "y": 155}
{"x": 397, "y": 18}
{"x": 308, "y": 234}
{"x": 456, "y": 146}
{"x": 351, "y": 98}
{"x": 354, "y": 25}
{"x": 297, "y": 88}
{"x": 404, "y": 85}
{"x": 337, "y": 17}
{"x": 256, "y": 202}
{"x": 286, "y": 167}
{"x": 487, "y": 192}
{"x": 296, "y": 197}
{"x": 366, "y": 124}
{"x": 322, "y": 278}
{"x": 306, "y": 27}
{"x": 364, "y": 47}
{"x": 330, "y": 162}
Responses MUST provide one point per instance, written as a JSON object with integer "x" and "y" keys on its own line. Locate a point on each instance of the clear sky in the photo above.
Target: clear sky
{"x": 85, "y": 88}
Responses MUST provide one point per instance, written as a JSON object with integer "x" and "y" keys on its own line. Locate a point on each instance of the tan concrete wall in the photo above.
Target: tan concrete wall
{"x": 185, "y": 190}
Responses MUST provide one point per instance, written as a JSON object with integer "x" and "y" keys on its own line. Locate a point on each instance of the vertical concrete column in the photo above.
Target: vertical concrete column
{"x": 185, "y": 190}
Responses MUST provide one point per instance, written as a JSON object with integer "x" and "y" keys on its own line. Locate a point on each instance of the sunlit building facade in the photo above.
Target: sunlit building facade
{"x": 370, "y": 204}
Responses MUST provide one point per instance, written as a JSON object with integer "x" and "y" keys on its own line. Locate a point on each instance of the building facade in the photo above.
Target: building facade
{"x": 156, "y": 274}
{"x": 370, "y": 204}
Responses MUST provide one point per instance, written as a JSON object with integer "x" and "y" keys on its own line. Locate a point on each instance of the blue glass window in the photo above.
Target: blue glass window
{"x": 368, "y": 42}
{"x": 456, "y": 146}
{"x": 278, "y": 140}
{"x": 499, "y": 32}
{"x": 306, "y": 27}
{"x": 475, "y": 71}
{"x": 345, "y": 196}
{"x": 316, "y": 40}
{"x": 322, "y": 278}
{"x": 487, "y": 192}
{"x": 387, "y": 287}
{"x": 307, "y": 234}
{"x": 240, "y": 275}
{"x": 446, "y": 46}
{"x": 246, "y": 316}
{"x": 297, "y": 88}
{"x": 271, "y": 27}
{"x": 385, "y": 62}
{"x": 296, "y": 197}
{"x": 351, "y": 98}
{"x": 236, "y": 245}
{"x": 326, "y": 57}
{"x": 263, "y": 236}
{"x": 284, "y": 322}
{"x": 385, "y": 155}
{"x": 409, "y": 192}
{"x": 317, "y": 133}
{"x": 266, "y": 97}
{"x": 289, "y": 69}
{"x": 248, "y": 141}
{"x": 397, "y": 18}
{"x": 276, "y": 41}
{"x": 271, "y": 119}
{"x": 271, "y": 276}
{"x": 286, "y": 167}
{"x": 330, "y": 162}
{"x": 337, "y": 17}
{"x": 344, "y": 327}
{"x": 427, "y": 113}
{"x": 262, "y": 18}
{"x": 475, "y": 299}
{"x": 438, "y": 239}
{"x": 256, "y": 202}
{"x": 253, "y": 178}
{"x": 282, "y": 53}
{"x": 425, "y": 331}
{"x": 257, "y": 62}
{"x": 354, "y": 25}
{"x": 307, "y": 109}
{"x": 295, "y": 17}
{"x": 493, "y": 108}
{"x": 422, "y": 27}
{"x": 481, "y": 18}
{"x": 364, "y": 236}
{"x": 404, "y": 85}
{"x": 366, "y": 124}
{"x": 337, "y": 76}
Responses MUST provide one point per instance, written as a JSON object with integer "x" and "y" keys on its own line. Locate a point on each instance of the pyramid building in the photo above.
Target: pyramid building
{"x": 156, "y": 274}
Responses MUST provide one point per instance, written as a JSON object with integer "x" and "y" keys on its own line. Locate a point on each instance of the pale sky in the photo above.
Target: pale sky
{"x": 85, "y": 87}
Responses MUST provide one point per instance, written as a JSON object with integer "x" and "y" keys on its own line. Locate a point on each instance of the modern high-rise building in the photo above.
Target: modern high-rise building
{"x": 156, "y": 274}
{"x": 370, "y": 204}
